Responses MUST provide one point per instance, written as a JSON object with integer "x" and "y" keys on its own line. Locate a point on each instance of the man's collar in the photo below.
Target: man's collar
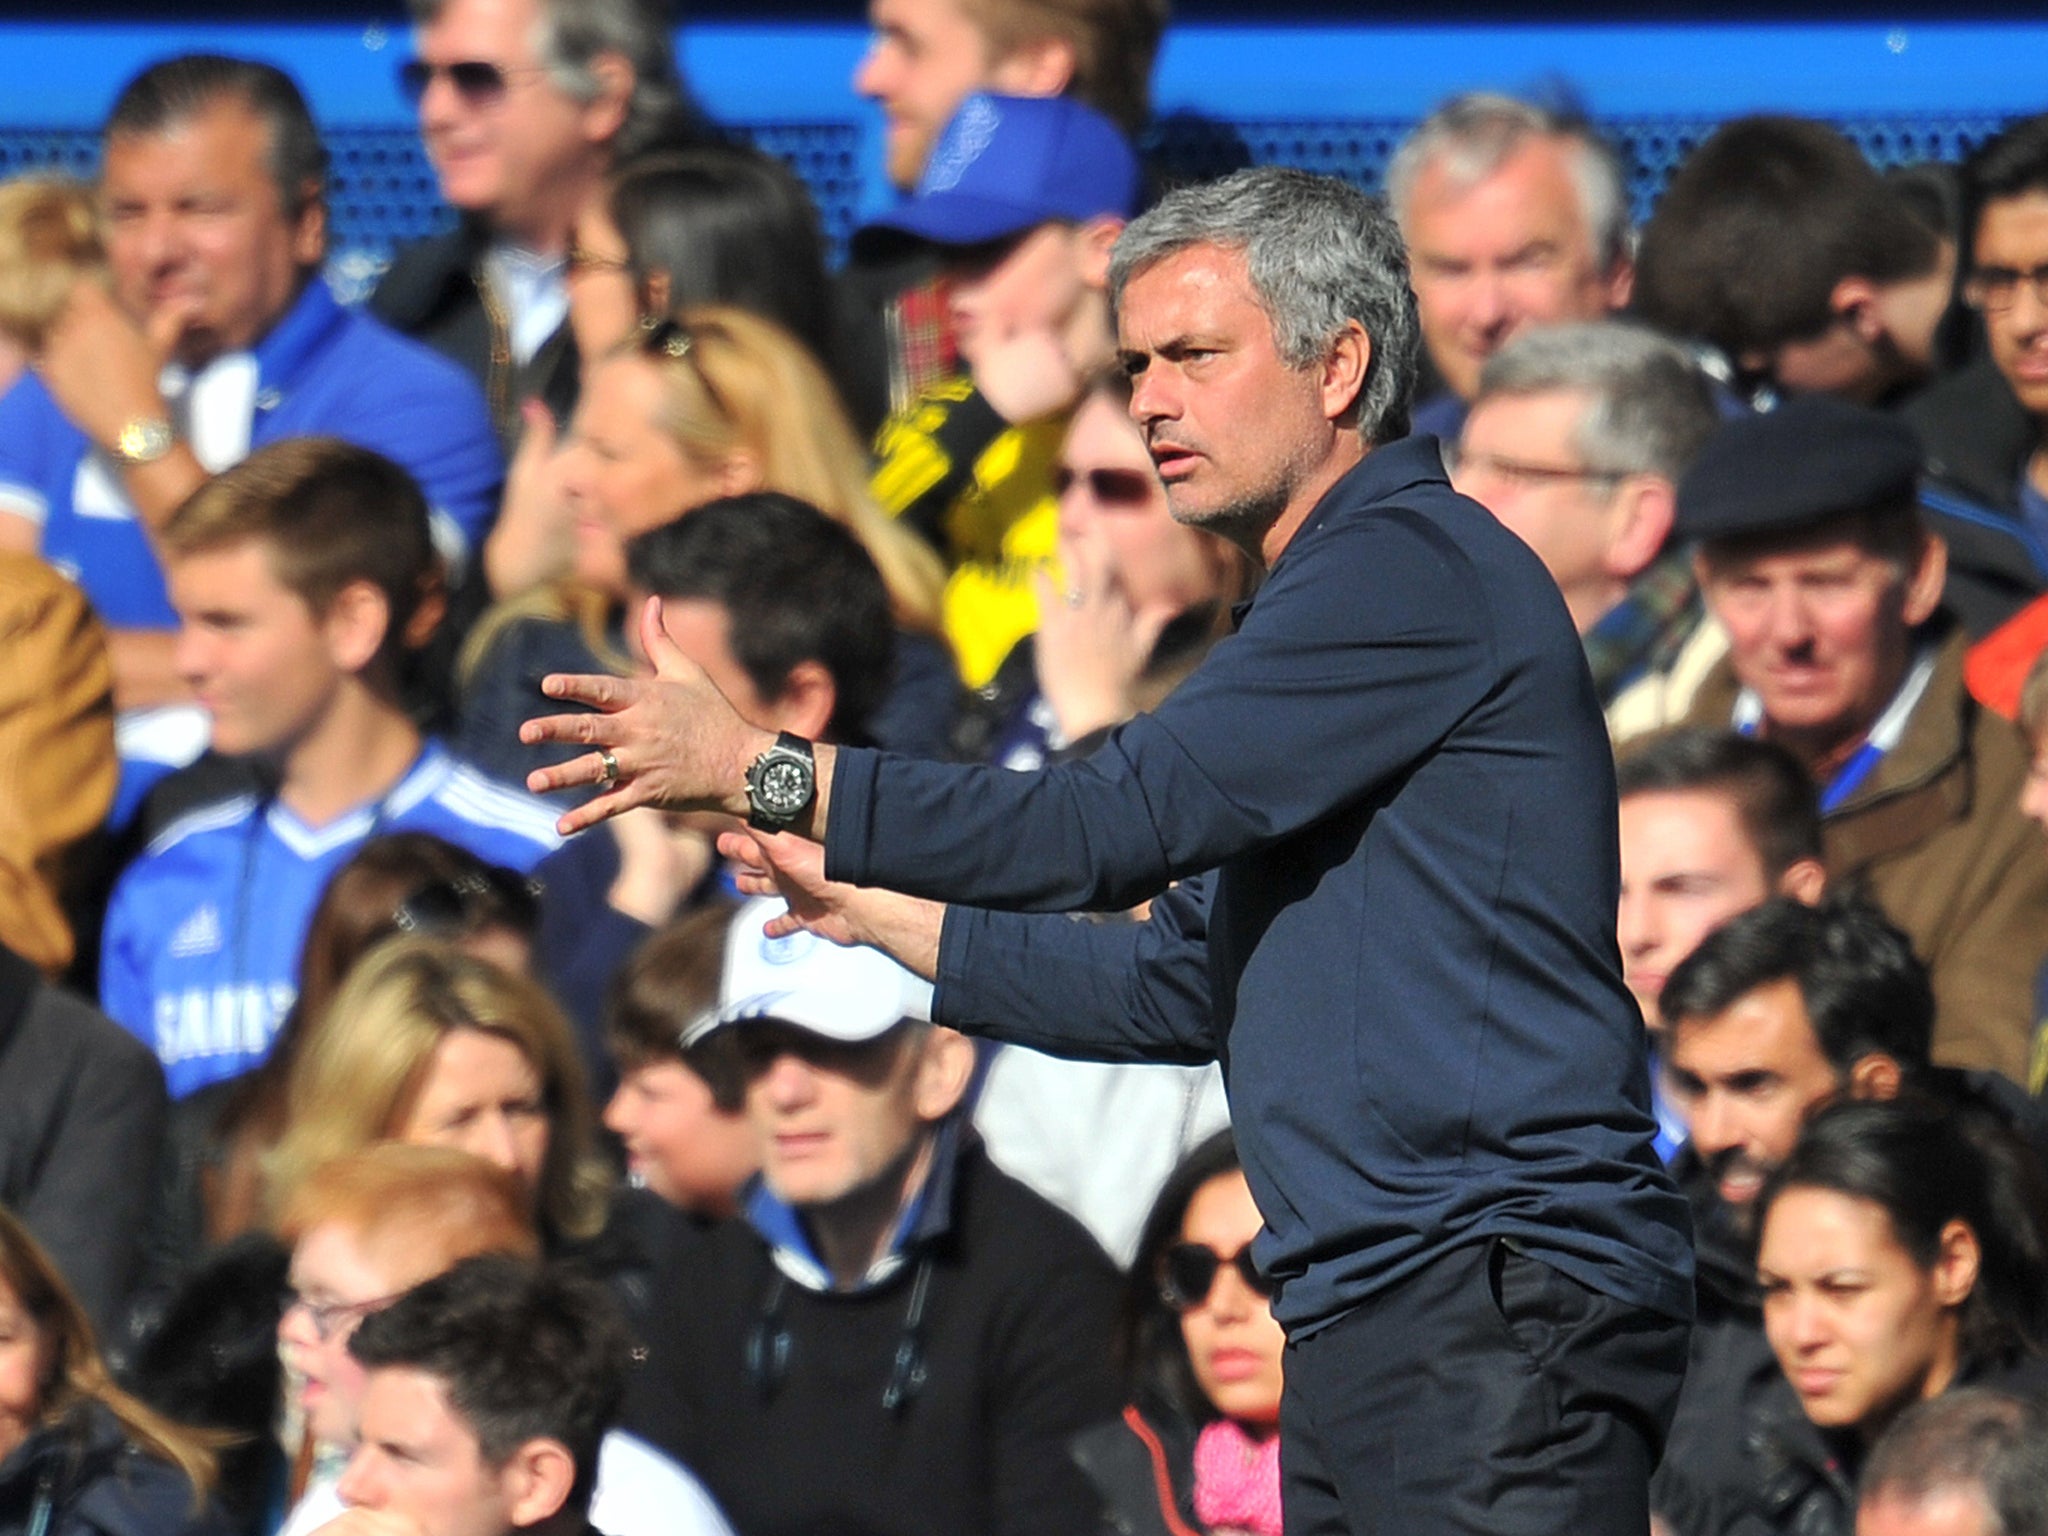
{"x": 927, "y": 1215}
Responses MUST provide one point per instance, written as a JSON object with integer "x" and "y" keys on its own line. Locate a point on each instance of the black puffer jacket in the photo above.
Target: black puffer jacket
{"x": 83, "y": 1477}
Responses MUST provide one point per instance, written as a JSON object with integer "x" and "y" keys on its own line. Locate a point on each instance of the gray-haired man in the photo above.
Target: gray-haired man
{"x": 1389, "y": 804}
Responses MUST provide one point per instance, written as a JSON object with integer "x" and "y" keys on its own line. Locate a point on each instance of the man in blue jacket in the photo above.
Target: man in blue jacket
{"x": 1390, "y": 806}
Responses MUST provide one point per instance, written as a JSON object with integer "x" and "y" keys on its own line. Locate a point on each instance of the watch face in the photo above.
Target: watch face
{"x": 784, "y": 786}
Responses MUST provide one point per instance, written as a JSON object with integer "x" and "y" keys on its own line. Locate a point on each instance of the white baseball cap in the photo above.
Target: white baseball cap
{"x": 846, "y": 993}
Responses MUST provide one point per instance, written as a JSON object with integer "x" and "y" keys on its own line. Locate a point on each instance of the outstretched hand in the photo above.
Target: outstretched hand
{"x": 782, "y": 864}
{"x": 670, "y": 740}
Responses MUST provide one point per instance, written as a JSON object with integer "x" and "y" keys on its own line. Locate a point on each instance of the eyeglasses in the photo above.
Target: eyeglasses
{"x": 478, "y": 83}
{"x": 1522, "y": 472}
{"x": 492, "y": 895}
{"x": 582, "y": 259}
{"x": 1111, "y": 487}
{"x": 662, "y": 337}
{"x": 1992, "y": 289}
{"x": 328, "y": 1316}
{"x": 1188, "y": 1273}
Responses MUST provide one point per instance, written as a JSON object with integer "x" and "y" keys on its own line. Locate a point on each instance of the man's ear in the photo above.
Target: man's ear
{"x": 1644, "y": 508}
{"x": 1930, "y": 575}
{"x": 1876, "y": 1076}
{"x": 1854, "y": 302}
{"x": 1620, "y": 281}
{"x": 1344, "y": 370}
{"x": 1039, "y": 66}
{"x": 1093, "y": 242}
{"x": 943, "y": 1072}
{"x": 309, "y": 227}
{"x": 808, "y": 699}
{"x": 1804, "y": 880}
{"x": 605, "y": 113}
{"x": 537, "y": 1479}
{"x": 355, "y": 625}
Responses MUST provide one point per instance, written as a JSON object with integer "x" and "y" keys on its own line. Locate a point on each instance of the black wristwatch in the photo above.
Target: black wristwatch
{"x": 781, "y": 784}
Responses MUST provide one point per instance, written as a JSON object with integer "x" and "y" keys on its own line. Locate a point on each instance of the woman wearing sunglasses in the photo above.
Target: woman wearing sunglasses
{"x": 1197, "y": 1452}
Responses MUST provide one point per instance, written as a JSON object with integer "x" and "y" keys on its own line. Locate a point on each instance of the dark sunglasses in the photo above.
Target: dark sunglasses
{"x": 496, "y": 896}
{"x": 662, "y": 337}
{"x": 478, "y": 83}
{"x": 1187, "y": 1274}
{"x": 1111, "y": 487}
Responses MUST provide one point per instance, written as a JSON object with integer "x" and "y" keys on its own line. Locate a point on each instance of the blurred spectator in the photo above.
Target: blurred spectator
{"x": 1576, "y": 441}
{"x": 682, "y": 229}
{"x": 366, "y": 1228}
{"x": 81, "y": 1126}
{"x": 1712, "y": 824}
{"x": 1778, "y": 245}
{"x": 928, "y": 57}
{"x": 680, "y": 1110}
{"x": 1514, "y": 216}
{"x": 218, "y": 336}
{"x": 524, "y": 105}
{"x": 1144, "y": 598}
{"x": 57, "y": 769}
{"x": 896, "y": 1337}
{"x": 1983, "y": 428}
{"x": 786, "y": 612}
{"x": 427, "y": 1045}
{"x": 487, "y": 1392}
{"x": 220, "y": 1137}
{"x": 1815, "y": 560}
{"x": 1889, "y": 1276}
{"x": 1198, "y": 1446}
{"x": 1022, "y": 201}
{"x": 301, "y": 574}
{"x": 49, "y": 239}
{"x": 1971, "y": 1462}
{"x": 717, "y": 403}
{"x": 78, "y": 1456}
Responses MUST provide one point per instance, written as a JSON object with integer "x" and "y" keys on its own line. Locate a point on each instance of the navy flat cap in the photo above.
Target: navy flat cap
{"x": 1813, "y": 458}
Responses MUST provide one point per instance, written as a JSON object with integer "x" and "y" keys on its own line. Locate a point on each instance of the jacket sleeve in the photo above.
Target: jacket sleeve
{"x": 1094, "y": 991}
{"x": 98, "y": 1168}
{"x": 925, "y": 456}
{"x": 1322, "y": 700}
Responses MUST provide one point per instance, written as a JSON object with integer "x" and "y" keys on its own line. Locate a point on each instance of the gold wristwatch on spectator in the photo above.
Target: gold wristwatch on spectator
{"x": 144, "y": 440}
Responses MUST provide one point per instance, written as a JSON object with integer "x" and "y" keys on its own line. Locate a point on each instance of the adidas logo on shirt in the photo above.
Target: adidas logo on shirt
{"x": 199, "y": 934}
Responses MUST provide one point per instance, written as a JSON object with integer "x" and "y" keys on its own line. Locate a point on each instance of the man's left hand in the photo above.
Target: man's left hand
{"x": 101, "y": 367}
{"x": 670, "y": 740}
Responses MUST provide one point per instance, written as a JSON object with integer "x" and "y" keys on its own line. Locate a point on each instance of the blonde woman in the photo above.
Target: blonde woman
{"x": 428, "y": 1045}
{"x": 78, "y": 1456}
{"x": 713, "y": 403}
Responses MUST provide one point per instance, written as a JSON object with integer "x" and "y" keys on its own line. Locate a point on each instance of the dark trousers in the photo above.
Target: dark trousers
{"x": 1486, "y": 1393}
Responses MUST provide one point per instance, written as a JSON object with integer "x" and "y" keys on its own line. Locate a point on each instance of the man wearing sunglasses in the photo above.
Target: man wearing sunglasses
{"x": 1576, "y": 442}
{"x": 524, "y": 107}
{"x": 1388, "y": 801}
{"x": 213, "y": 336}
{"x": 893, "y": 1337}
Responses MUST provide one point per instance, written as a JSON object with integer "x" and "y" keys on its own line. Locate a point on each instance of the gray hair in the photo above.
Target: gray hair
{"x": 1649, "y": 408}
{"x": 1472, "y": 136}
{"x": 1971, "y": 1440}
{"x": 571, "y": 36}
{"x": 1319, "y": 254}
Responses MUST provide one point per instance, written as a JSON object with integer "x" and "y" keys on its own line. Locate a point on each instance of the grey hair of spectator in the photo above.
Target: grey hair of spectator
{"x": 1649, "y": 409}
{"x": 1471, "y": 137}
{"x": 1973, "y": 1441}
{"x": 1319, "y": 253}
{"x": 573, "y": 34}
{"x": 172, "y": 92}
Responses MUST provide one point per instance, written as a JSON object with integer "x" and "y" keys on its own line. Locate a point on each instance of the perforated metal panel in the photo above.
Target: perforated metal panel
{"x": 384, "y": 195}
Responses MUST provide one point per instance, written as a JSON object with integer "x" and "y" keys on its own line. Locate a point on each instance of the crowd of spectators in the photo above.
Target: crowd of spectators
{"x": 375, "y": 1161}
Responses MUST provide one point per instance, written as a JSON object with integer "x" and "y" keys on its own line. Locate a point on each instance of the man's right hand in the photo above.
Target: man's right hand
{"x": 779, "y": 864}
{"x": 101, "y": 367}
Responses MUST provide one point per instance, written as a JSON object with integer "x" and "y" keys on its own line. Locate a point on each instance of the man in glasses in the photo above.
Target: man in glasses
{"x": 1984, "y": 429}
{"x": 524, "y": 106}
{"x": 1576, "y": 441}
{"x": 215, "y": 335}
{"x": 894, "y": 1337}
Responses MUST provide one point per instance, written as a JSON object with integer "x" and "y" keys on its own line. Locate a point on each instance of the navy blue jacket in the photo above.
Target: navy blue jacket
{"x": 1405, "y": 955}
